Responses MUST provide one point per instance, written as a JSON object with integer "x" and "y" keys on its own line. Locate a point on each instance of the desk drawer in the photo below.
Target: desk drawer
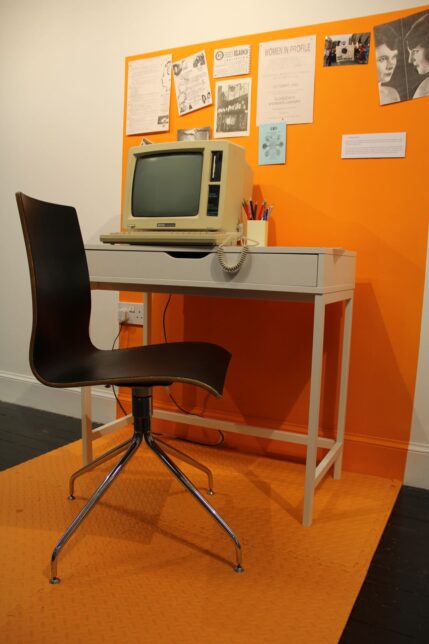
{"x": 203, "y": 269}
{"x": 262, "y": 269}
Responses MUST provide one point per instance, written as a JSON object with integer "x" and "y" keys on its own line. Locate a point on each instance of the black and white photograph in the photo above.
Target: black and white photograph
{"x": 346, "y": 49}
{"x": 194, "y": 134}
{"x": 402, "y": 58}
{"x": 232, "y": 108}
{"x": 416, "y": 40}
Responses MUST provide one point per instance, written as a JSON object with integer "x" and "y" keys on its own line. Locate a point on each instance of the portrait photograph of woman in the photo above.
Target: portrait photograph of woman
{"x": 402, "y": 58}
{"x": 416, "y": 41}
{"x": 388, "y": 59}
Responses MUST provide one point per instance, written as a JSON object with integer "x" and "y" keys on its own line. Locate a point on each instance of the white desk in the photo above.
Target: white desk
{"x": 317, "y": 275}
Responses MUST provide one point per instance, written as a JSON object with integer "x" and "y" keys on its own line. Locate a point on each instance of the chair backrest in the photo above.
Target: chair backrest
{"x": 59, "y": 284}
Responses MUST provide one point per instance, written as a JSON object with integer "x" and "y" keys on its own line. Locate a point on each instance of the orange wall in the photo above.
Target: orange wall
{"x": 378, "y": 207}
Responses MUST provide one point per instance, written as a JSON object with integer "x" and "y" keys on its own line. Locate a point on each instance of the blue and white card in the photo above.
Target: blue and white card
{"x": 272, "y": 143}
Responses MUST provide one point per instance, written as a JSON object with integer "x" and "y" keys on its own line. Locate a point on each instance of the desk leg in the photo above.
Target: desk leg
{"x": 86, "y": 425}
{"x": 345, "y": 359}
{"x": 314, "y": 408}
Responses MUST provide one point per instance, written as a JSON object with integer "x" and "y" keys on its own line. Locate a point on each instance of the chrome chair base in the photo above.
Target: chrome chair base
{"x": 135, "y": 444}
{"x": 191, "y": 461}
{"x": 142, "y": 400}
{"x": 97, "y": 461}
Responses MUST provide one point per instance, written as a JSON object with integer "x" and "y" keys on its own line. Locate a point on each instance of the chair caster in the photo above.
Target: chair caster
{"x": 71, "y": 497}
{"x": 210, "y": 492}
{"x": 238, "y": 568}
{"x": 54, "y": 580}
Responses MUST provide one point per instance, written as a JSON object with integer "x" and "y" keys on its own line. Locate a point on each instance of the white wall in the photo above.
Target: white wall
{"x": 417, "y": 470}
{"x": 61, "y": 110}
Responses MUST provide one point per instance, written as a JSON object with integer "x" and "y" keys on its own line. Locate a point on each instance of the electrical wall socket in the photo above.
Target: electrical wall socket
{"x": 130, "y": 312}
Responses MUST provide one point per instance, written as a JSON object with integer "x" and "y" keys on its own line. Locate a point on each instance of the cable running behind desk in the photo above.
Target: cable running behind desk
{"x": 317, "y": 275}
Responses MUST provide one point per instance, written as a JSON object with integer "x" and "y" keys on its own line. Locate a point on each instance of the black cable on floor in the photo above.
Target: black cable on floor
{"x": 182, "y": 409}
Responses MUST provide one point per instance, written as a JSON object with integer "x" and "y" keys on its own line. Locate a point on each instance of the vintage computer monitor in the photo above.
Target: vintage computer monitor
{"x": 184, "y": 192}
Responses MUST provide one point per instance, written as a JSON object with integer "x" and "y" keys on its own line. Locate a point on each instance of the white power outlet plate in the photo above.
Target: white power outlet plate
{"x": 130, "y": 312}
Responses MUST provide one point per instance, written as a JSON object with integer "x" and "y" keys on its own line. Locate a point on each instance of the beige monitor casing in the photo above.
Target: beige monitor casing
{"x": 235, "y": 185}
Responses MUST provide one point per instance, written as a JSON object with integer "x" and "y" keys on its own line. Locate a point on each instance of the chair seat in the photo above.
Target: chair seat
{"x": 199, "y": 363}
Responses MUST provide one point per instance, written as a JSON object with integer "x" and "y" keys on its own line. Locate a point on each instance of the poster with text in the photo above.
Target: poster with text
{"x": 148, "y": 95}
{"x": 286, "y": 80}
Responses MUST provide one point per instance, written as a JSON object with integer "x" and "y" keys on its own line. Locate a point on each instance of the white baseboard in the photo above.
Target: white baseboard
{"x": 21, "y": 389}
{"x": 417, "y": 469}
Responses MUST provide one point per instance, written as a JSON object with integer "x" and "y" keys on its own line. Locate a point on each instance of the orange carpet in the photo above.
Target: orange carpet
{"x": 150, "y": 566}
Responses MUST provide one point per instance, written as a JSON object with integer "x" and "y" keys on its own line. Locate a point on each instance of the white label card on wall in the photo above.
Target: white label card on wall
{"x": 373, "y": 146}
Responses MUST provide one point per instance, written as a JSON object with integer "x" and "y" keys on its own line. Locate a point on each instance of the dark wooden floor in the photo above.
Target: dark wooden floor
{"x": 393, "y": 605}
{"x": 26, "y": 433}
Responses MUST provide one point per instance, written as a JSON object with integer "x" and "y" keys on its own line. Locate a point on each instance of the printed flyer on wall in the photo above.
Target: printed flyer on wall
{"x": 148, "y": 95}
{"x": 231, "y": 61}
{"x": 192, "y": 83}
{"x": 286, "y": 80}
{"x": 272, "y": 143}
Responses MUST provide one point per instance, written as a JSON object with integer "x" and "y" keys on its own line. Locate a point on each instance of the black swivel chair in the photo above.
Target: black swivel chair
{"x": 62, "y": 354}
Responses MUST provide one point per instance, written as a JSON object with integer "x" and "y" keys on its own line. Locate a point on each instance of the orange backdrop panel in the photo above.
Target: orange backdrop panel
{"x": 377, "y": 207}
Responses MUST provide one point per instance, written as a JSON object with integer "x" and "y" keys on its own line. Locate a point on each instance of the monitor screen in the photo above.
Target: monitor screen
{"x": 167, "y": 184}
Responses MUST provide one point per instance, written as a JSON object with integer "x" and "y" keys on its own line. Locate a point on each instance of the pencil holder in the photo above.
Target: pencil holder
{"x": 258, "y": 231}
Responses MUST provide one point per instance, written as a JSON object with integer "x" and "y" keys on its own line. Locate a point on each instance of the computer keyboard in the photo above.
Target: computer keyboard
{"x": 172, "y": 237}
